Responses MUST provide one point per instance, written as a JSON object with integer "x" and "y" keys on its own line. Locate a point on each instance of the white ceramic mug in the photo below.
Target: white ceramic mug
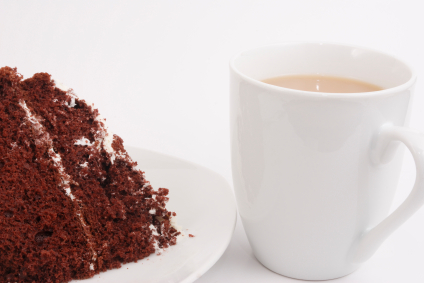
{"x": 315, "y": 173}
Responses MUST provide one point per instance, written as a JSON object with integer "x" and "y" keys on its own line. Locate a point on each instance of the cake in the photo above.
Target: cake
{"x": 72, "y": 202}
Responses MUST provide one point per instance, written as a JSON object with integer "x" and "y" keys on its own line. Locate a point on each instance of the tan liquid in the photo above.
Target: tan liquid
{"x": 319, "y": 83}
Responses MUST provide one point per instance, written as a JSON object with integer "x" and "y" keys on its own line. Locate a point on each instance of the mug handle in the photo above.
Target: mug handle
{"x": 383, "y": 151}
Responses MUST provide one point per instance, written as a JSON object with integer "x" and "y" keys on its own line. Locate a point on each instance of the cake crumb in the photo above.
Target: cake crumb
{"x": 191, "y": 236}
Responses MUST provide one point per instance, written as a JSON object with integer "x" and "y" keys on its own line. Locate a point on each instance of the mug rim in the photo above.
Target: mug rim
{"x": 383, "y": 92}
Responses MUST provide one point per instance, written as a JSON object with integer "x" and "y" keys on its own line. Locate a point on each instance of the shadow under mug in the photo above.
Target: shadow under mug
{"x": 315, "y": 173}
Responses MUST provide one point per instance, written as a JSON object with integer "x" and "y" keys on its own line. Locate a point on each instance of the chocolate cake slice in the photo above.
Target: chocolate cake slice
{"x": 72, "y": 202}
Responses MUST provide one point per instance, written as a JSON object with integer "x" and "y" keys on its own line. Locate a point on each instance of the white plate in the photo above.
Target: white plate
{"x": 205, "y": 208}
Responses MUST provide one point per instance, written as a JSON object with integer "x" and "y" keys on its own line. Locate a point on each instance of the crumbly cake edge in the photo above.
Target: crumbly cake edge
{"x": 104, "y": 139}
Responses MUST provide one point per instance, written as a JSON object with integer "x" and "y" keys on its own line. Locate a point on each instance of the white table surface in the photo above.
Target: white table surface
{"x": 158, "y": 70}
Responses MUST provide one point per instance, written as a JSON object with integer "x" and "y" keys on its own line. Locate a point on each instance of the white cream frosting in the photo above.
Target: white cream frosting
{"x": 68, "y": 90}
{"x": 72, "y": 103}
{"x": 154, "y": 234}
{"x": 107, "y": 138}
{"x": 60, "y": 85}
{"x": 173, "y": 222}
{"x": 83, "y": 141}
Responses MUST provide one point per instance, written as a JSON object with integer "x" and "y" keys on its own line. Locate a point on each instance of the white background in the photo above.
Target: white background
{"x": 158, "y": 70}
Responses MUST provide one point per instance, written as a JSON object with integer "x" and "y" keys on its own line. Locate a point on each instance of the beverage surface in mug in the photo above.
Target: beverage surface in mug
{"x": 320, "y": 83}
